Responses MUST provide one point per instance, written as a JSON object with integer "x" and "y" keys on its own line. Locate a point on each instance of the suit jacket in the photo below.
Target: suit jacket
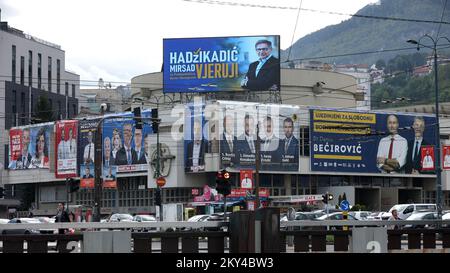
{"x": 410, "y": 165}
{"x": 274, "y": 149}
{"x": 225, "y": 148}
{"x": 20, "y": 165}
{"x": 292, "y": 148}
{"x": 190, "y": 151}
{"x": 141, "y": 159}
{"x": 268, "y": 75}
{"x": 243, "y": 145}
{"x": 121, "y": 156}
{"x": 89, "y": 176}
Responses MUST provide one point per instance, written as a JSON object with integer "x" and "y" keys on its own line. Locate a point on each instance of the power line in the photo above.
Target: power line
{"x": 212, "y": 2}
{"x": 295, "y": 28}
{"x": 442, "y": 18}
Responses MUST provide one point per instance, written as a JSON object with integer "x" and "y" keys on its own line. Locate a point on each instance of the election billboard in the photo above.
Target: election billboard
{"x": 369, "y": 142}
{"x": 278, "y": 136}
{"x": 66, "y": 133}
{"x": 30, "y": 147}
{"x": 215, "y": 64}
{"x": 123, "y": 145}
{"x": 446, "y": 157}
{"x": 87, "y": 129}
{"x": 195, "y": 137}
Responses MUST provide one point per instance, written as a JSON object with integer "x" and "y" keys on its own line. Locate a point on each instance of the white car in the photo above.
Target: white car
{"x": 405, "y": 210}
{"x": 428, "y": 215}
{"x": 4, "y": 221}
{"x": 120, "y": 217}
{"x": 144, "y": 218}
{"x": 360, "y": 215}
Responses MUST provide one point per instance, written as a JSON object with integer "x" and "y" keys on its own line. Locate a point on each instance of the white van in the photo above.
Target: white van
{"x": 405, "y": 210}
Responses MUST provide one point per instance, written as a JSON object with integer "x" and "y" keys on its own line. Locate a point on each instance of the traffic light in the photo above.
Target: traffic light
{"x": 74, "y": 185}
{"x": 327, "y": 197}
{"x": 137, "y": 118}
{"x": 155, "y": 122}
{"x": 158, "y": 197}
{"x": 2, "y": 192}
{"x": 223, "y": 185}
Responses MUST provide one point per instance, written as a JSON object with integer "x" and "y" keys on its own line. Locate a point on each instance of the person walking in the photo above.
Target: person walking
{"x": 394, "y": 217}
{"x": 61, "y": 216}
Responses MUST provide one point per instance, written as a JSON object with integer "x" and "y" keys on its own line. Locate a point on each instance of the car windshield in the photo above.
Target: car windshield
{"x": 147, "y": 218}
{"x": 425, "y": 207}
{"x": 122, "y": 217}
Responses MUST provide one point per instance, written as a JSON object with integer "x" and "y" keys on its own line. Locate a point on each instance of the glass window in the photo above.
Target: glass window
{"x": 22, "y": 70}
{"x": 39, "y": 70}
{"x": 30, "y": 68}
{"x": 13, "y": 64}
{"x": 49, "y": 76}
{"x": 58, "y": 76}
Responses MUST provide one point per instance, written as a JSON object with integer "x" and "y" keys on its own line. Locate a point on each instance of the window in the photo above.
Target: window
{"x": 39, "y": 70}
{"x": 49, "y": 77}
{"x": 22, "y": 106}
{"x": 31, "y": 104}
{"x": 58, "y": 76}
{"x": 304, "y": 140}
{"x": 73, "y": 90}
{"x": 59, "y": 110}
{"x": 22, "y": 70}
{"x": 66, "y": 88}
{"x": 14, "y": 108}
{"x": 74, "y": 107}
{"x": 30, "y": 68}
{"x": 13, "y": 64}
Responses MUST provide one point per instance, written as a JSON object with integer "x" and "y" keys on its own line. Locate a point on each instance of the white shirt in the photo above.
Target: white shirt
{"x": 428, "y": 162}
{"x": 229, "y": 139}
{"x": 86, "y": 151}
{"x": 447, "y": 161}
{"x": 251, "y": 143}
{"x": 246, "y": 183}
{"x": 399, "y": 149}
{"x": 63, "y": 151}
{"x": 72, "y": 148}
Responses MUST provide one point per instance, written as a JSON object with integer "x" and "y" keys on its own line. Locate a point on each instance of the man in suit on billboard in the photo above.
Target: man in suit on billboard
{"x": 228, "y": 142}
{"x": 24, "y": 160}
{"x": 414, "y": 155}
{"x": 270, "y": 143}
{"x": 196, "y": 149}
{"x": 289, "y": 145}
{"x": 126, "y": 155}
{"x": 263, "y": 74}
{"x": 247, "y": 141}
{"x": 139, "y": 150}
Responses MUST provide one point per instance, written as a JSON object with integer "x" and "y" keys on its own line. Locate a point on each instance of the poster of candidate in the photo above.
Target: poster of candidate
{"x": 365, "y": 142}
{"x": 427, "y": 153}
{"x": 446, "y": 157}
{"x": 87, "y": 179}
{"x": 66, "y": 148}
{"x": 123, "y": 144}
{"x": 278, "y": 136}
{"x": 195, "y": 137}
{"x": 221, "y": 64}
{"x": 29, "y": 147}
{"x": 86, "y": 150}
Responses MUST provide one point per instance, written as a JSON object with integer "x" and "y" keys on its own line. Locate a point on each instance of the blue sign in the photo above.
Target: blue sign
{"x": 365, "y": 142}
{"x": 345, "y": 205}
{"x": 193, "y": 65}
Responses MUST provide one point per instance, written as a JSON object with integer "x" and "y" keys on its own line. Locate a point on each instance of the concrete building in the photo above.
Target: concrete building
{"x": 362, "y": 75}
{"x": 30, "y": 68}
{"x": 91, "y": 100}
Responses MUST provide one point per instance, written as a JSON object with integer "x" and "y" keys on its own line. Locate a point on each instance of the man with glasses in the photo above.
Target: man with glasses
{"x": 263, "y": 74}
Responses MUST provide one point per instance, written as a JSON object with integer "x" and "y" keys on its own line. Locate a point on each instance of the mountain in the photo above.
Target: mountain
{"x": 366, "y": 35}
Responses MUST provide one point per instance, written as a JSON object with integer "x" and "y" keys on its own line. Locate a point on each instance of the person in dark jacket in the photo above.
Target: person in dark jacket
{"x": 61, "y": 216}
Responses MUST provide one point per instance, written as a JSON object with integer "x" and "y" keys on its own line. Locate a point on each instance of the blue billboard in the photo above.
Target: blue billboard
{"x": 364, "y": 142}
{"x": 194, "y": 65}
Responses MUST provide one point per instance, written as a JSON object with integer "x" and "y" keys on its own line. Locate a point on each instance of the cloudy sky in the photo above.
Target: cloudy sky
{"x": 117, "y": 40}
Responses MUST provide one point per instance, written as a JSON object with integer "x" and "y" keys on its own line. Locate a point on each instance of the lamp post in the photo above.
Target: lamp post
{"x": 438, "y": 141}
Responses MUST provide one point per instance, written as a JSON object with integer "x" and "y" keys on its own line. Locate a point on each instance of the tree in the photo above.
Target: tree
{"x": 344, "y": 197}
{"x": 380, "y": 64}
{"x": 44, "y": 111}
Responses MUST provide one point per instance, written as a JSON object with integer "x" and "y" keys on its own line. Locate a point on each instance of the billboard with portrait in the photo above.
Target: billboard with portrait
{"x": 30, "y": 147}
{"x": 87, "y": 129}
{"x": 278, "y": 136}
{"x": 195, "y": 137}
{"x": 369, "y": 142}
{"x": 66, "y": 132}
{"x": 221, "y": 64}
{"x": 124, "y": 147}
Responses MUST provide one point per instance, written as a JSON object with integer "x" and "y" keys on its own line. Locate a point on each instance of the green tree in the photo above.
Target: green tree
{"x": 44, "y": 111}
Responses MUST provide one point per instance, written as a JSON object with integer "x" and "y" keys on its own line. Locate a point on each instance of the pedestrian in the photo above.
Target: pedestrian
{"x": 394, "y": 217}
{"x": 61, "y": 216}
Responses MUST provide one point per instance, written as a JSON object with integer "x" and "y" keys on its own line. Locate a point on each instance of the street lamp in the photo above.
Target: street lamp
{"x": 438, "y": 141}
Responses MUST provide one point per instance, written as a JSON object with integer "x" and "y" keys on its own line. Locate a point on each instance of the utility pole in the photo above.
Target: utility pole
{"x": 257, "y": 164}
{"x": 98, "y": 172}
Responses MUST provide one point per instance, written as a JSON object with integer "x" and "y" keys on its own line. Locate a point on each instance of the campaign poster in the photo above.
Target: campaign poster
{"x": 279, "y": 132}
{"x": 110, "y": 177}
{"x": 215, "y": 64}
{"x": 66, "y": 148}
{"x": 427, "y": 154}
{"x": 446, "y": 157}
{"x": 87, "y": 129}
{"x": 246, "y": 178}
{"x": 30, "y": 147}
{"x": 124, "y": 145}
{"x": 195, "y": 137}
{"x": 87, "y": 176}
{"x": 369, "y": 142}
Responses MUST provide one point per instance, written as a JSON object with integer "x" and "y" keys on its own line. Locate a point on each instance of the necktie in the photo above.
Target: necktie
{"x": 260, "y": 64}
{"x": 89, "y": 152}
{"x": 416, "y": 151}
{"x": 252, "y": 146}
{"x": 129, "y": 157}
{"x": 286, "y": 145}
{"x": 391, "y": 147}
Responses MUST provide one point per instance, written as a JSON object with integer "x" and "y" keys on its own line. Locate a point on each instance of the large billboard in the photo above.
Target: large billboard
{"x": 195, "y": 137}
{"x": 221, "y": 64}
{"x": 86, "y": 151}
{"x": 124, "y": 146}
{"x": 30, "y": 147}
{"x": 66, "y": 133}
{"x": 364, "y": 142}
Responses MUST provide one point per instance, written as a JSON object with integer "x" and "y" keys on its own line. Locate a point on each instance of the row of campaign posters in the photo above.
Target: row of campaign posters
{"x": 234, "y": 125}
{"x": 123, "y": 148}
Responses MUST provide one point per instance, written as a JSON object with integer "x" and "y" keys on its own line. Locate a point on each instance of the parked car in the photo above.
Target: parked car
{"x": 405, "y": 210}
{"x": 120, "y": 217}
{"x": 197, "y": 218}
{"x": 335, "y": 216}
{"x": 375, "y": 215}
{"x": 4, "y": 221}
{"x": 144, "y": 218}
{"x": 21, "y": 231}
{"x": 360, "y": 215}
{"x": 417, "y": 216}
{"x": 47, "y": 220}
